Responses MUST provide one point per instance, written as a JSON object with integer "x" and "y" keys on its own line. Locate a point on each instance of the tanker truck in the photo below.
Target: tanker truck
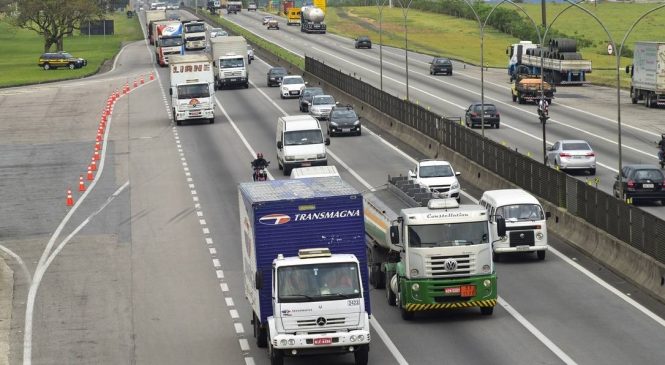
{"x": 429, "y": 254}
{"x": 311, "y": 20}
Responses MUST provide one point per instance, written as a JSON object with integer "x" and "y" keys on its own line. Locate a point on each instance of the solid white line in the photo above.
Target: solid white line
{"x": 539, "y": 335}
{"x": 387, "y": 341}
{"x": 249, "y": 361}
{"x": 18, "y": 259}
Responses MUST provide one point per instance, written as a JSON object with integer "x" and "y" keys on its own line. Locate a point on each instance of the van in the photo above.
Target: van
{"x": 314, "y": 171}
{"x": 526, "y": 226}
{"x": 300, "y": 143}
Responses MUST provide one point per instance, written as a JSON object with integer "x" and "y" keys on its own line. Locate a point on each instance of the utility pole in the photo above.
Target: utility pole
{"x": 543, "y": 8}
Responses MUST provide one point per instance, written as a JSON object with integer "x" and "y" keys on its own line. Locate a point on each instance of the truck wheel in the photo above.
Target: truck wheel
{"x": 541, "y": 255}
{"x": 287, "y": 171}
{"x": 390, "y": 296}
{"x": 486, "y": 311}
{"x": 361, "y": 355}
{"x": 377, "y": 278}
{"x": 633, "y": 97}
{"x": 647, "y": 102}
{"x": 47, "y": 66}
{"x": 276, "y": 356}
{"x": 520, "y": 99}
{"x": 261, "y": 334}
{"x": 247, "y": 85}
{"x": 514, "y": 97}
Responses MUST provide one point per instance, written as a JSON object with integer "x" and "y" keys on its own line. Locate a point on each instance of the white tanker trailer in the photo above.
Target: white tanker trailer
{"x": 311, "y": 20}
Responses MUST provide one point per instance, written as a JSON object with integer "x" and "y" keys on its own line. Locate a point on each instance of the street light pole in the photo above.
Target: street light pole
{"x": 405, "y": 14}
{"x": 380, "y": 8}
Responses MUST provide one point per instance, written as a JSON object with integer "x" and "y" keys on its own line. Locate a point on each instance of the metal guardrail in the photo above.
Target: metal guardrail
{"x": 640, "y": 229}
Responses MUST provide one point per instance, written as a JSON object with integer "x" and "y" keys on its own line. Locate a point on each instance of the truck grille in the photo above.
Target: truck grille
{"x": 450, "y": 266}
{"x": 330, "y": 321}
{"x": 440, "y": 188}
{"x": 232, "y": 73}
{"x": 521, "y": 238}
{"x": 189, "y": 39}
{"x": 311, "y": 325}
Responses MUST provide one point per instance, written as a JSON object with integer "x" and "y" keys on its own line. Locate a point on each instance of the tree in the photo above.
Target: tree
{"x": 54, "y": 19}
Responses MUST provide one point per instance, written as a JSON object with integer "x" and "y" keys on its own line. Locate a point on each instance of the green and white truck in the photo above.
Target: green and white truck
{"x": 429, "y": 254}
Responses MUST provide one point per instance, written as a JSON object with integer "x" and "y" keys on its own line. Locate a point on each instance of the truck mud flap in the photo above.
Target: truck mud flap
{"x": 414, "y": 307}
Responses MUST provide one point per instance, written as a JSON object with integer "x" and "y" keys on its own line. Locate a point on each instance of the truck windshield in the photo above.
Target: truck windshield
{"x": 170, "y": 42}
{"x": 193, "y": 91}
{"x": 294, "y": 138}
{"x": 521, "y": 212}
{"x": 195, "y": 28}
{"x": 309, "y": 283}
{"x": 448, "y": 234}
{"x": 232, "y": 62}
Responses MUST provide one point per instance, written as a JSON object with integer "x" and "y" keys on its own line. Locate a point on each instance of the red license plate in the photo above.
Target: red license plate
{"x": 323, "y": 341}
{"x": 468, "y": 291}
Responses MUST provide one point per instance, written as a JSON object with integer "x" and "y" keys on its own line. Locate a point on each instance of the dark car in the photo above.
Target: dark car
{"x": 440, "y": 65}
{"x": 275, "y": 75}
{"x": 643, "y": 182}
{"x": 49, "y": 61}
{"x": 306, "y": 97}
{"x": 473, "y": 118}
{"x": 363, "y": 42}
{"x": 344, "y": 120}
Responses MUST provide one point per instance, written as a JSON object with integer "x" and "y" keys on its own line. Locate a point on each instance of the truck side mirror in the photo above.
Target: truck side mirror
{"x": 548, "y": 215}
{"x": 500, "y": 226}
{"x": 394, "y": 235}
{"x": 171, "y": 91}
{"x": 258, "y": 280}
{"x": 327, "y": 141}
{"x": 412, "y": 174}
{"x": 280, "y": 145}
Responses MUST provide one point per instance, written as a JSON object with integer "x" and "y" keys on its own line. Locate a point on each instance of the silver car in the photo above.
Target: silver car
{"x": 572, "y": 155}
{"x": 321, "y": 105}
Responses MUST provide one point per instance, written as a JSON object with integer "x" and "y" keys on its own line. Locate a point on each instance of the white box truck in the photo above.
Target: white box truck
{"x": 648, "y": 74}
{"x": 192, "y": 87}
{"x": 230, "y": 61}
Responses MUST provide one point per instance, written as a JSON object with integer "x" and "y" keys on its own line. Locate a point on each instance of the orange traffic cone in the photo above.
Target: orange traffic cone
{"x": 152, "y": 76}
{"x": 142, "y": 81}
{"x": 70, "y": 199}
{"x": 98, "y": 146}
{"x": 99, "y": 137}
{"x": 90, "y": 176}
{"x": 93, "y": 165}
{"x": 95, "y": 156}
{"x": 81, "y": 184}
{"x": 136, "y": 84}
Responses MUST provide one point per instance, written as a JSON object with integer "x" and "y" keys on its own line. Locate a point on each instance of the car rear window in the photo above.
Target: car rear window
{"x": 577, "y": 146}
{"x": 278, "y": 71}
{"x": 652, "y": 174}
{"x": 488, "y": 108}
{"x": 442, "y": 62}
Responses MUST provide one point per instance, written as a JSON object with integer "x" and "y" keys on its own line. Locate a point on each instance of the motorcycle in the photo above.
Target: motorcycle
{"x": 260, "y": 173}
{"x": 661, "y": 158}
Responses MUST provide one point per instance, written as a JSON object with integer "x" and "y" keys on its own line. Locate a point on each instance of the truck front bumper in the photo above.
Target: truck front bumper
{"x": 334, "y": 342}
{"x": 233, "y": 81}
{"x": 194, "y": 45}
{"x": 195, "y": 114}
{"x": 436, "y": 294}
{"x": 291, "y": 165}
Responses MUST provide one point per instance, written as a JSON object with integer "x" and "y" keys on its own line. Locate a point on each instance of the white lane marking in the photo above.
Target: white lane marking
{"x": 539, "y": 335}
{"x": 199, "y": 213}
{"x": 234, "y": 314}
{"x": 208, "y": 241}
{"x": 229, "y": 302}
{"x": 387, "y": 341}
{"x": 239, "y": 328}
{"x": 213, "y": 251}
{"x": 249, "y": 361}
{"x": 220, "y": 274}
{"x": 202, "y": 222}
{"x": 244, "y": 345}
{"x": 206, "y": 231}
{"x": 195, "y": 198}
{"x": 224, "y": 287}
{"x": 20, "y": 262}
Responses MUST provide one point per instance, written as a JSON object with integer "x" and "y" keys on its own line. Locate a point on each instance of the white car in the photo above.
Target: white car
{"x": 321, "y": 106}
{"x": 218, "y": 32}
{"x": 291, "y": 86}
{"x": 438, "y": 176}
{"x": 250, "y": 52}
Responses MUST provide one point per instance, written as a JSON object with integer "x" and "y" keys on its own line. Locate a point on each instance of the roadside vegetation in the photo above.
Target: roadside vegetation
{"x": 23, "y": 47}
{"x": 458, "y": 38}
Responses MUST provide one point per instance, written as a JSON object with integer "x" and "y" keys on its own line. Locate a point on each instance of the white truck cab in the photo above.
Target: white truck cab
{"x": 438, "y": 176}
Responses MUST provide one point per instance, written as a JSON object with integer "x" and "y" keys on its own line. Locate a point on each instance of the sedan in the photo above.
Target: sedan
{"x": 363, "y": 42}
{"x": 572, "y": 155}
{"x": 643, "y": 182}
{"x": 321, "y": 106}
{"x": 218, "y": 32}
{"x": 266, "y": 19}
{"x": 291, "y": 86}
{"x": 440, "y": 65}
{"x": 273, "y": 24}
{"x": 306, "y": 97}
{"x": 344, "y": 120}
{"x": 275, "y": 75}
{"x": 472, "y": 116}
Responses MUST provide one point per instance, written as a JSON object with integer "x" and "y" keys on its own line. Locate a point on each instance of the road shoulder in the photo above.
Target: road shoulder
{"x": 6, "y": 297}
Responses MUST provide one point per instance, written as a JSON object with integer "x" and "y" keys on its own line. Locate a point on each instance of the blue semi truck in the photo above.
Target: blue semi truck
{"x": 305, "y": 267}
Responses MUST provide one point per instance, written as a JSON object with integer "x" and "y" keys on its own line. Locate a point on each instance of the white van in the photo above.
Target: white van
{"x": 314, "y": 171}
{"x": 526, "y": 225}
{"x": 300, "y": 143}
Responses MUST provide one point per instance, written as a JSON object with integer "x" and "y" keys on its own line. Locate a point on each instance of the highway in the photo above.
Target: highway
{"x": 154, "y": 273}
{"x": 586, "y": 112}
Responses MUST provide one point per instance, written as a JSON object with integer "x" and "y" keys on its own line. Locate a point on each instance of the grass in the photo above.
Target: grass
{"x": 20, "y": 65}
{"x": 439, "y": 34}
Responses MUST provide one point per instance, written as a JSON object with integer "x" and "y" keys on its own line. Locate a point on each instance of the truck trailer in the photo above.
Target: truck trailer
{"x": 429, "y": 254}
{"x": 152, "y": 16}
{"x": 311, "y": 17}
{"x": 560, "y": 63}
{"x": 192, "y": 87}
{"x": 648, "y": 74}
{"x": 230, "y": 61}
{"x": 305, "y": 267}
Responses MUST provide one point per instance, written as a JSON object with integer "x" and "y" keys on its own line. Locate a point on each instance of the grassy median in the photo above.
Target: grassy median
{"x": 22, "y": 49}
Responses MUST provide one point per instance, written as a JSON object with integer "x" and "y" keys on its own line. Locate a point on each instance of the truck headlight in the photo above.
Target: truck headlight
{"x": 486, "y": 268}
{"x": 361, "y": 338}
{"x": 415, "y": 287}
{"x": 282, "y": 342}
{"x": 487, "y": 283}
{"x": 320, "y": 156}
{"x": 540, "y": 236}
{"x": 414, "y": 272}
{"x": 292, "y": 342}
{"x": 352, "y": 338}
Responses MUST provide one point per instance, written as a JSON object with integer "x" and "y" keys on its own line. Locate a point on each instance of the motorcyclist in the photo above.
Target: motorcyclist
{"x": 661, "y": 147}
{"x": 258, "y": 164}
{"x": 543, "y": 107}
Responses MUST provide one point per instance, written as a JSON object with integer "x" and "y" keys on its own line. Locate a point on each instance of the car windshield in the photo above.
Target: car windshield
{"x": 170, "y": 42}
{"x": 521, "y": 212}
{"x": 232, "y": 62}
{"x": 488, "y": 108}
{"x": 648, "y": 175}
{"x": 576, "y": 146}
{"x": 343, "y": 114}
{"x": 323, "y": 100}
{"x": 293, "y": 81}
{"x": 191, "y": 28}
{"x": 295, "y": 138}
{"x": 448, "y": 234}
{"x": 318, "y": 282}
{"x": 193, "y": 91}
{"x": 436, "y": 171}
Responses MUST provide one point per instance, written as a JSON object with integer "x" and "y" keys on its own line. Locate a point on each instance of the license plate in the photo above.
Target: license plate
{"x": 578, "y": 156}
{"x": 647, "y": 186}
{"x": 306, "y": 164}
{"x": 323, "y": 341}
{"x": 452, "y": 291}
{"x": 522, "y": 248}
{"x": 293, "y": 92}
{"x": 195, "y": 113}
{"x": 233, "y": 80}
{"x": 468, "y": 291}
{"x": 346, "y": 129}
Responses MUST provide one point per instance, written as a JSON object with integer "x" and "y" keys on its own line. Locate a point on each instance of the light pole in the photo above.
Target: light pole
{"x": 380, "y": 9}
{"x": 405, "y": 14}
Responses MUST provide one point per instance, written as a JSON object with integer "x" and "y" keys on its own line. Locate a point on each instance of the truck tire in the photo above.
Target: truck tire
{"x": 376, "y": 277}
{"x": 520, "y": 99}
{"x": 47, "y": 66}
{"x": 496, "y": 257}
{"x": 247, "y": 85}
{"x": 211, "y": 120}
{"x": 71, "y": 66}
{"x": 276, "y": 356}
{"x": 390, "y": 296}
{"x": 633, "y": 97}
{"x": 261, "y": 334}
{"x": 541, "y": 255}
{"x": 361, "y": 356}
{"x": 486, "y": 311}
{"x": 287, "y": 171}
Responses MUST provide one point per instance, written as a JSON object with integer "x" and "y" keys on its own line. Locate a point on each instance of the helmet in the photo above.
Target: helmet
{"x": 662, "y": 136}
{"x": 259, "y": 155}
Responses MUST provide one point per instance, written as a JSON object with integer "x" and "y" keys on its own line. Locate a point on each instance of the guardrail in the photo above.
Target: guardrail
{"x": 640, "y": 229}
